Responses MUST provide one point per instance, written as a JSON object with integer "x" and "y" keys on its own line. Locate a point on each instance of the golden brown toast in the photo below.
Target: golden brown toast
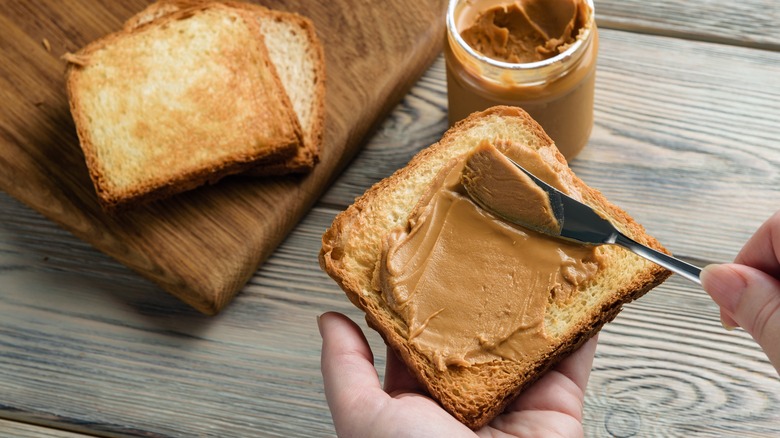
{"x": 178, "y": 102}
{"x": 352, "y": 250}
{"x": 299, "y": 60}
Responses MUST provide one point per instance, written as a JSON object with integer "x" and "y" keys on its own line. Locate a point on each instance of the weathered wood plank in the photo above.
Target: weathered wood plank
{"x": 22, "y": 430}
{"x": 665, "y": 367}
{"x": 116, "y": 354}
{"x": 751, "y": 23}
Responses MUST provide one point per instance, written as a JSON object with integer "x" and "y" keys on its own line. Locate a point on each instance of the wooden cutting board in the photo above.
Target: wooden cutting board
{"x": 204, "y": 245}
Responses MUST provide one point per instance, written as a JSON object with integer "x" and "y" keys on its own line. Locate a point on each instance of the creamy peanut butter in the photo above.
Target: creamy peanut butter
{"x": 539, "y": 55}
{"x": 526, "y": 31}
{"x": 493, "y": 182}
{"x": 471, "y": 287}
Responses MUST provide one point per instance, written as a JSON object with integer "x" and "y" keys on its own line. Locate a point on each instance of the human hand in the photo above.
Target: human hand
{"x": 748, "y": 290}
{"x": 361, "y": 407}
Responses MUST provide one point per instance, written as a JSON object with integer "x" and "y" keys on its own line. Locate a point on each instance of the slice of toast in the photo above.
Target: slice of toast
{"x": 300, "y": 61}
{"x": 298, "y": 57}
{"x": 176, "y": 103}
{"x": 352, "y": 249}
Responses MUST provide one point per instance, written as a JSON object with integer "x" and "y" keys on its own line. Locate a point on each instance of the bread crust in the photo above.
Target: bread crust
{"x": 476, "y": 394}
{"x": 280, "y": 148}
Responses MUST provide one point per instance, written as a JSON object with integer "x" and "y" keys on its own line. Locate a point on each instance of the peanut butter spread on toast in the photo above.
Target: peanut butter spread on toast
{"x": 471, "y": 287}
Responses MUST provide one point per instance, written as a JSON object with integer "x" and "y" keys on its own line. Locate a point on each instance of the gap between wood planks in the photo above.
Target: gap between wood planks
{"x": 617, "y": 24}
{"x": 54, "y": 430}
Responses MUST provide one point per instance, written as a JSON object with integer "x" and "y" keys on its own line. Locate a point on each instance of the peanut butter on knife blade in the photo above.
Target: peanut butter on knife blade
{"x": 493, "y": 182}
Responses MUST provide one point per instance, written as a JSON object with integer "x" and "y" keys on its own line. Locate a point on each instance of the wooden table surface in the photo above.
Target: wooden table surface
{"x": 687, "y": 140}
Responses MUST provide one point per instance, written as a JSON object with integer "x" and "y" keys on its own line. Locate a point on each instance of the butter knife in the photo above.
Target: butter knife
{"x": 580, "y": 223}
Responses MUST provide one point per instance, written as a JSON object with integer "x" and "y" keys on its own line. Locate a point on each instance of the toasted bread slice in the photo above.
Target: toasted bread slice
{"x": 300, "y": 61}
{"x": 298, "y": 57}
{"x": 352, "y": 247}
{"x": 178, "y": 102}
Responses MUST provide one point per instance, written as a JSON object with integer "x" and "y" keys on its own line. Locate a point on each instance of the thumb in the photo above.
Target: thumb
{"x": 752, "y": 299}
{"x": 348, "y": 373}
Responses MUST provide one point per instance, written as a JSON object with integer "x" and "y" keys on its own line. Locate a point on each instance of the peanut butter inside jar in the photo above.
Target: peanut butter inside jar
{"x": 539, "y": 55}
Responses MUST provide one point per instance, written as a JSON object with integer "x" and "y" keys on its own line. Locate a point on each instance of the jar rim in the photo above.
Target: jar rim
{"x": 568, "y": 53}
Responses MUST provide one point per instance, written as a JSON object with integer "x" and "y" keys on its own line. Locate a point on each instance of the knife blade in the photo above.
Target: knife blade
{"x": 581, "y": 223}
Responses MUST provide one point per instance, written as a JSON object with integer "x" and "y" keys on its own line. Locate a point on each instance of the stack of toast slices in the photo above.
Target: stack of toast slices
{"x": 190, "y": 91}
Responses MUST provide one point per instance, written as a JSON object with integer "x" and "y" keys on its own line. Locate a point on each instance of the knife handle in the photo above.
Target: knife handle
{"x": 677, "y": 266}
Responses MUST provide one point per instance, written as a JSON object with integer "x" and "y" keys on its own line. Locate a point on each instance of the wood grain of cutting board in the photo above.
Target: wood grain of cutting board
{"x": 204, "y": 245}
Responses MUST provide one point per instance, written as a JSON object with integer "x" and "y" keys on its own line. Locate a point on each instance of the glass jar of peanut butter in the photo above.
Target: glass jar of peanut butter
{"x": 539, "y": 55}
